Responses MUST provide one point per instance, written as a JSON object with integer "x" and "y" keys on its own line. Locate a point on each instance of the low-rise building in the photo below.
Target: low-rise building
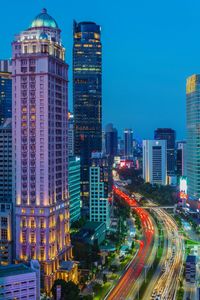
{"x": 19, "y": 282}
{"x": 92, "y": 233}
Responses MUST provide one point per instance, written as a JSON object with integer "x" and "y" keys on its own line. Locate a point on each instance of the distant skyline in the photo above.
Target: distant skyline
{"x": 149, "y": 49}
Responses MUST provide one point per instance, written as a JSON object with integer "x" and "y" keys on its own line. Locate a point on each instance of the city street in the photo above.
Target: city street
{"x": 124, "y": 287}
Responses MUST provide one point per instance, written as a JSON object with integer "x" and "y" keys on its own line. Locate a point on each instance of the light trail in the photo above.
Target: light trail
{"x": 122, "y": 290}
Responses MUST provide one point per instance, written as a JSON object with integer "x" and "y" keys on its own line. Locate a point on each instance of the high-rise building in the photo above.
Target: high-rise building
{"x": 5, "y": 96}
{"x": 40, "y": 170}
{"x": 74, "y": 188}
{"x": 155, "y": 161}
{"x": 128, "y": 143}
{"x": 99, "y": 189}
{"x": 6, "y": 65}
{"x": 87, "y": 96}
{"x": 111, "y": 140}
{"x": 169, "y": 135}
{"x": 193, "y": 135}
{"x": 70, "y": 134}
{"x": 6, "y": 207}
{"x": 181, "y": 158}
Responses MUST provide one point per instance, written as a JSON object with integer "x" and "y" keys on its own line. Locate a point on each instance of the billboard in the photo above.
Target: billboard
{"x": 183, "y": 188}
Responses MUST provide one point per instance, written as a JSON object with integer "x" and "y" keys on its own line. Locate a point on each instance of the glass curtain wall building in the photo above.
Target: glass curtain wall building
{"x": 5, "y": 96}
{"x": 193, "y": 135}
{"x": 169, "y": 135}
{"x": 87, "y": 96}
{"x": 74, "y": 188}
{"x": 6, "y": 218}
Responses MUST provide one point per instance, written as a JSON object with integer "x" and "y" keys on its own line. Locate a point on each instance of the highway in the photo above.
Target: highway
{"x": 126, "y": 283}
{"x": 167, "y": 285}
{"x": 149, "y": 291}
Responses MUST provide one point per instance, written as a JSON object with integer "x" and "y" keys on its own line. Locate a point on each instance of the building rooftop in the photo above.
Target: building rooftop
{"x": 67, "y": 265}
{"x": 191, "y": 259}
{"x": 12, "y": 270}
{"x": 93, "y": 225}
{"x": 44, "y": 20}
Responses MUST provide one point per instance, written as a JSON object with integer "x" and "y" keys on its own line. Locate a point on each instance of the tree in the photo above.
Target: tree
{"x": 104, "y": 278}
{"x": 69, "y": 290}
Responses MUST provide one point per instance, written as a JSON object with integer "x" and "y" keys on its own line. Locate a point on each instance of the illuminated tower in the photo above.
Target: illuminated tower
{"x": 87, "y": 96}
{"x": 40, "y": 100}
{"x": 193, "y": 135}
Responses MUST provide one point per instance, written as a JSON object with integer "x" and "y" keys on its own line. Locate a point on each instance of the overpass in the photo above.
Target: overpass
{"x": 151, "y": 206}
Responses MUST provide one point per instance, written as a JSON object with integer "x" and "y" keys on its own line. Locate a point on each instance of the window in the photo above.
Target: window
{"x": 4, "y": 221}
{"x": 34, "y": 48}
{"x": 4, "y": 234}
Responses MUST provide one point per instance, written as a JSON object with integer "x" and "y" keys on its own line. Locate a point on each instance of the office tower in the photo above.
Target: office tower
{"x": 128, "y": 143}
{"x": 99, "y": 189}
{"x": 87, "y": 96}
{"x": 181, "y": 158}
{"x": 70, "y": 134}
{"x": 155, "y": 161}
{"x": 6, "y": 65}
{"x": 19, "y": 281}
{"x": 193, "y": 135}
{"x": 74, "y": 188}
{"x": 169, "y": 135}
{"x": 103, "y": 141}
{"x": 40, "y": 100}
{"x": 120, "y": 146}
{"x": 5, "y": 96}
{"x": 6, "y": 208}
{"x": 111, "y": 140}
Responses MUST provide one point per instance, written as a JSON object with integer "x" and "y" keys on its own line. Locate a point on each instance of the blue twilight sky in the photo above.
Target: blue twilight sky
{"x": 149, "y": 48}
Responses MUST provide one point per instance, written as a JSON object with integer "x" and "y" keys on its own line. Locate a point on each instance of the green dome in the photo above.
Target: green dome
{"x": 44, "y": 20}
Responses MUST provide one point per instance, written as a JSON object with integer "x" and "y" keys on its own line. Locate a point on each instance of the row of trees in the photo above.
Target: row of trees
{"x": 165, "y": 195}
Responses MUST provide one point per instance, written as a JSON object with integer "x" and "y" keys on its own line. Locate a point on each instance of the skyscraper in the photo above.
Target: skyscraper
{"x": 74, "y": 188}
{"x": 155, "y": 161}
{"x": 70, "y": 134}
{"x": 6, "y": 206}
{"x": 99, "y": 188}
{"x": 181, "y": 159}
{"x": 111, "y": 140}
{"x": 5, "y": 96}
{"x": 87, "y": 96}
{"x": 6, "y": 65}
{"x": 193, "y": 134}
{"x": 169, "y": 135}
{"x": 40, "y": 93}
{"x": 128, "y": 143}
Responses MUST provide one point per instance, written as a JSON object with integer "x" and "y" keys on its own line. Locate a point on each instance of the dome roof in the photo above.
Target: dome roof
{"x": 44, "y": 20}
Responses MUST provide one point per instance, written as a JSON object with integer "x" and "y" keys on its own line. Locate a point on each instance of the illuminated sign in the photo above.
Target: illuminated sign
{"x": 183, "y": 188}
{"x": 183, "y": 184}
{"x": 191, "y": 84}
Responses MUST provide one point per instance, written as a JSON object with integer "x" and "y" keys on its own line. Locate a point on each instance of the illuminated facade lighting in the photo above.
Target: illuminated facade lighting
{"x": 193, "y": 135}
{"x": 87, "y": 96}
{"x": 40, "y": 100}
